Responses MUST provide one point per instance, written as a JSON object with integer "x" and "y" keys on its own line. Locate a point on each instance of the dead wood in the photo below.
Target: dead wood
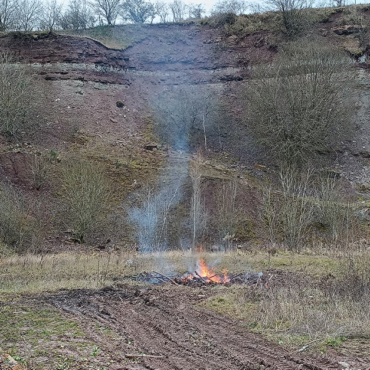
{"x": 166, "y": 277}
{"x": 200, "y": 277}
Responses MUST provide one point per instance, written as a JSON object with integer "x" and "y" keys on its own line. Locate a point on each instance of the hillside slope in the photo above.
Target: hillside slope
{"x": 81, "y": 81}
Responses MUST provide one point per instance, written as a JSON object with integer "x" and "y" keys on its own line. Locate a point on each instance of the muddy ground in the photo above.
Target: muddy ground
{"x": 169, "y": 326}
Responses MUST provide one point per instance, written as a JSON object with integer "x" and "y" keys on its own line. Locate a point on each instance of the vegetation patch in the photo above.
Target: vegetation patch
{"x": 40, "y": 337}
{"x": 296, "y": 311}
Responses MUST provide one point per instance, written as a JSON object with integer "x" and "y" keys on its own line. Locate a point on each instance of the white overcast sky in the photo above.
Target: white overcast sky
{"x": 208, "y": 4}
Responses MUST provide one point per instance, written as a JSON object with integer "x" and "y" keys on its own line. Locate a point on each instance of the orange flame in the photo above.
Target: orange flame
{"x": 208, "y": 274}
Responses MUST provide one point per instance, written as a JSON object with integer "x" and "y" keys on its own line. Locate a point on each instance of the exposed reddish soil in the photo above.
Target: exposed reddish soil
{"x": 186, "y": 53}
{"x": 52, "y": 48}
{"x": 168, "y": 324}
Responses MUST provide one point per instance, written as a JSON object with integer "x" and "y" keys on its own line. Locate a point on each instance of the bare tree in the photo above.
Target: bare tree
{"x": 162, "y": 9}
{"x": 108, "y": 9}
{"x": 28, "y": 14}
{"x": 229, "y": 7}
{"x": 8, "y": 10}
{"x": 78, "y": 15}
{"x": 51, "y": 15}
{"x": 137, "y": 11}
{"x": 339, "y": 3}
{"x": 293, "y": 14}
{"x": 297, "y": 107}
{"x": 196, "y": 11}
{"x": 178, "y": 10}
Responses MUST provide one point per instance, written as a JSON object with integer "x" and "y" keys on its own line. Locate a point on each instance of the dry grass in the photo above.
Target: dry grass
{"x": 295, "y": 315}
{"x": 300, "y": 308}
{"x": 40, "y": 273}
{"x": 314, "y": 297}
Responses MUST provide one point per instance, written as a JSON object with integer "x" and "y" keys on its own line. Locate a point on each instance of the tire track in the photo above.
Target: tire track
{"x": 165, "y": 323}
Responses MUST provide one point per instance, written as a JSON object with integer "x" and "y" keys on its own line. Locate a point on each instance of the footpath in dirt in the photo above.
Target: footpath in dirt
{"x": 166, "y": 328}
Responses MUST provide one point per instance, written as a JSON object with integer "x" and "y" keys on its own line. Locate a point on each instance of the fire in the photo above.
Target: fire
{"x": 207, "y": 274}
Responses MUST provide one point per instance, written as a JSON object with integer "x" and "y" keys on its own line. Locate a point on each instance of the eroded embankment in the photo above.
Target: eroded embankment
{"x": 164, "y": 55}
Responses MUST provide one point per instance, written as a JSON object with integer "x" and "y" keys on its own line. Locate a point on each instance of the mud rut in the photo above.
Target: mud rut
{"x": 164, "y": 322}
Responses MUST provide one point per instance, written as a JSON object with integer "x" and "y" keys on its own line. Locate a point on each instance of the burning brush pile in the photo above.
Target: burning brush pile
{"x": 201, "y": 276}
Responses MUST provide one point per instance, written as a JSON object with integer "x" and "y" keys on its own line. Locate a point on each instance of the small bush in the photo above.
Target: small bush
{"x": 294, "y": 15}
{"x": 298, "y": 107}
{"x": 86, "y": 195}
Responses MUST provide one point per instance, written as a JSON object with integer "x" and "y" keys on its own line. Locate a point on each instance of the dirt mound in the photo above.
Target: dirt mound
{"x": 162, "y": 328}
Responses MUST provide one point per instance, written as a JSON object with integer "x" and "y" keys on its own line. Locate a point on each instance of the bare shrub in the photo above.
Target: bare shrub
{"x": 198, "y": 214}
{"x": 335, "y": 215}
{"x": 19, "y": 229}
{"x": 269, "y": 212}
{"x": 293, "y": 14}
{"x": 298, "y": 106}
{"x": 235, "y": 7}
{"x": 151, "y": 220}
{"x": 297, "y": 210}
{"x": 16, "y": 92}
{"x": 354, "y": 277}
{"x": 288, "y": 214}
{"x": 153, "y": 216}
{"x": 227, "y": 212}
{"x": 185, "y": 116}
{"x": 308, "y": 209}
{"x": 39, "y": 171}
{"x": 86, "y": 195}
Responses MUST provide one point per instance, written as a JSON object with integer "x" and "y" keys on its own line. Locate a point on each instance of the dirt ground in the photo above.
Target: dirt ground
{"x": 166, "y": 328}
